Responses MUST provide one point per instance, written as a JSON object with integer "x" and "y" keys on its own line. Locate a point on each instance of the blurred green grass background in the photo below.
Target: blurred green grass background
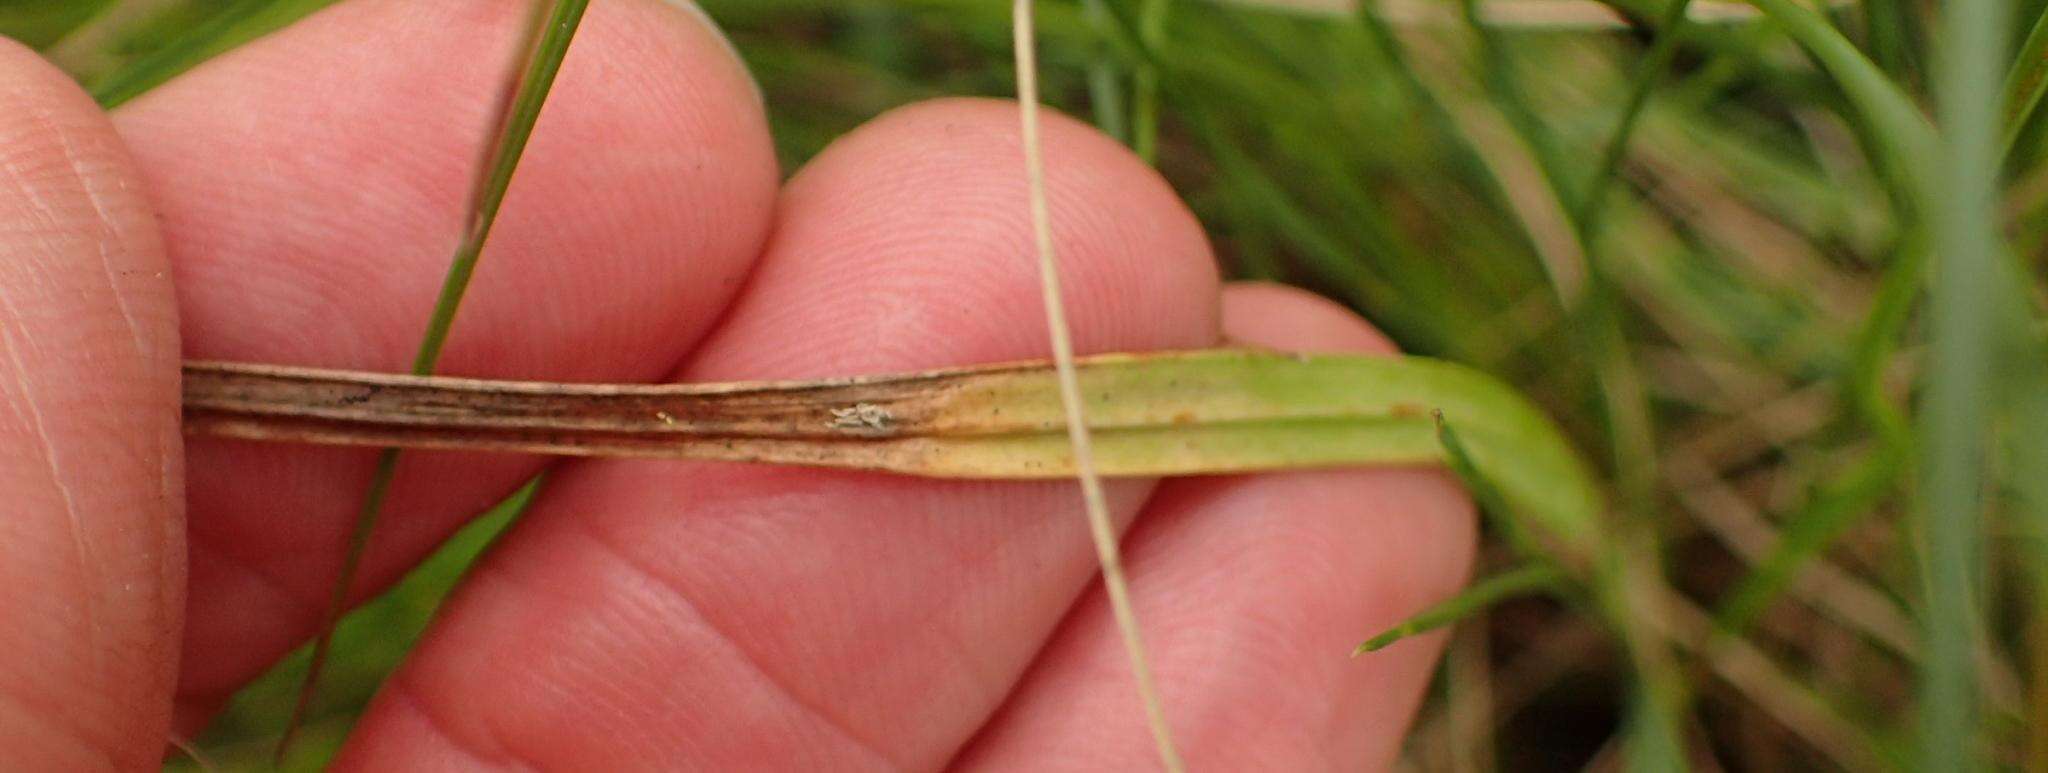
{"x": 1841, "y": 473}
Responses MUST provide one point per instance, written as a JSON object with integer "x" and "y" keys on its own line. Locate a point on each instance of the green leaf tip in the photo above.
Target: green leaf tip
{"x": 1534, "y": 578}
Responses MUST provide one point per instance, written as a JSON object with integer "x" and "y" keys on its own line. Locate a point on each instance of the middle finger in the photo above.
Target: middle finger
{"x": 654, "y": 614}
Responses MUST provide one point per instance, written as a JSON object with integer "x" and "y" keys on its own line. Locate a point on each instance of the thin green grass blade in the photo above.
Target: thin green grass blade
{"x": 237, "y": 23}
{"x": 1955, "y": 415}
{"x": 377, "y": 637}
{"x": 1321, "y": 251}
{"x": 1649, "y": 72}
{"x": 337, "y": 600}
{"x": 1894, "y": 29}
{"x": 1388, "y": 45}
{"x": 1105, "y": 79}
{"x": 38, "y": 24}
{"x": 534, "y": 86}
{"x": 1630, "y": 561}
{"x": 1539, "y": 578}
{"x": 2025, "y": 84}
{"x": 1905, "y": 143}
{"x": 1493, "y": 502}
{"x": 543, "y": 64}
{"x": 176, "y": 56}
{"x": 1878, "y": 339}
{"x": 1145, "y": 99}
{"x": 1597, "y": 324}
{"x": 1129, "y": 31}
{"x": 1902, "y": 144}
{"x": 115, "y": 33}
{"x": 1809, "y": 532}
{"x": 1652, "y": 746}
{"x": 1500, "y": 73}
{"x": 1849, "y": 501}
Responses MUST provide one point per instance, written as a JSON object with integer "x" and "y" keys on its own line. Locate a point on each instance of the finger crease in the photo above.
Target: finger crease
{"x": 88, "y": 565}
{"x": 498, "y": 753}
{"x": 675, "y": 589}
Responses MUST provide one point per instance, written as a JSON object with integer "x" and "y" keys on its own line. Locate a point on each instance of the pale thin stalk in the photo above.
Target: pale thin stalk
{"x": 1766, "y": 684}
{"x": 1469, "y": 702}
{"x": 1070, "y": 390}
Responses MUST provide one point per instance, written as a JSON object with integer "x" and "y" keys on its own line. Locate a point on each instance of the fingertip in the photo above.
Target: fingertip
{"x": 906, "y": 245}
{"x": 91, "y": 544}
{"x": 312, "y": 186}
{"x": 912, "y": 235}
{"x": 704, "y": 21}
{"x": 318, "y": 178}
{"x": 1279, "y": 316}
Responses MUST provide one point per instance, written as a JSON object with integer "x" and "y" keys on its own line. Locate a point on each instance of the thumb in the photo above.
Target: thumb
{"x": 92, "y": 554}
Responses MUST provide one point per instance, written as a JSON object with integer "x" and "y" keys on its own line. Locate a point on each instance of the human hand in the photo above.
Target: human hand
{"x": 295, "y": 202}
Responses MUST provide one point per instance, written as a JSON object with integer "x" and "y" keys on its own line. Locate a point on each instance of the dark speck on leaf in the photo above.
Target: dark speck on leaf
{"x": 364, "y": 396}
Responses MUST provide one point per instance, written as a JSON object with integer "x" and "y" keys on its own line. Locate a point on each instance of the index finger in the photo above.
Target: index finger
{"x": 311, "y": 187}
{"x": 91, "y": 560}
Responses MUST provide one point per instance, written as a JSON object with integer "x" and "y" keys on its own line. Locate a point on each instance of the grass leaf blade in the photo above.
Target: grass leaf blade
{"x": 1162, "y": 413}
{"x": 2025, "y": 84}
{"x": 1493, "y": 590}
{"x": 1649, "y": 72}
{"x": 232, "y": 25}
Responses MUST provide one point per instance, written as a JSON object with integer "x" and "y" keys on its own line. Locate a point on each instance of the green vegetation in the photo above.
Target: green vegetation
{"x": 1779, "y": 276}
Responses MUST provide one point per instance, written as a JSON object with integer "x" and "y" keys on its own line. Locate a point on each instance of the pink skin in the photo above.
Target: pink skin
{"x": 307, "y": 190}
